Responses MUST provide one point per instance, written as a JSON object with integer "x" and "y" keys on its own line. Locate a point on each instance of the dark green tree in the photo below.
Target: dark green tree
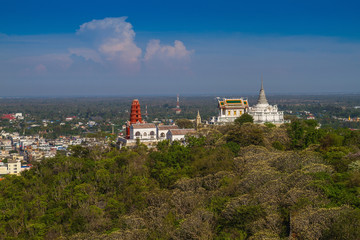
{"x": 244, "y": 119}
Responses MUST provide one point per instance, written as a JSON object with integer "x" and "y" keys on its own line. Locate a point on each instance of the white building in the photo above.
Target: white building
{"x": 19, "y": 116}
{"x": 162, "y": 130}
{"x": 149, "y": 134}
{"x": 230, "y": 109}
{"x": 3, "y": 169}
{"x": 263, "y": 112}
{"x": 143, "y": 131}
{"x": 14, "y": 166}
{"x": 179, "y": 134}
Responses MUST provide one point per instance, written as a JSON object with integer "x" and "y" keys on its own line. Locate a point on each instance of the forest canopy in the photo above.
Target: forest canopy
{"x": 240, "y": 181}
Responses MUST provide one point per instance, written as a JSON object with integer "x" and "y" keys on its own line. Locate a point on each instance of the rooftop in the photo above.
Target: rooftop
{"x": 182, "y": 131}
{"x": 143, "y": 125}
{"x": 167, "y": 127}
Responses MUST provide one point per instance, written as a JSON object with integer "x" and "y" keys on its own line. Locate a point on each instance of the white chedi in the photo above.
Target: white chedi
{"x": 263, "y": 112}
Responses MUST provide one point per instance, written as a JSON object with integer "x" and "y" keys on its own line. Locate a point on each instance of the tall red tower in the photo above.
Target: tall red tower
{"x": 135, "y": 116}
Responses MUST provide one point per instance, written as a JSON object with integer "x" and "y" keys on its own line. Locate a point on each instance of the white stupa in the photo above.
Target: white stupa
{"x": 263, "y": 112}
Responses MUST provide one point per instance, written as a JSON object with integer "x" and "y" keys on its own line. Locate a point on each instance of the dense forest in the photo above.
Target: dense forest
{"x": 239, "y": 181}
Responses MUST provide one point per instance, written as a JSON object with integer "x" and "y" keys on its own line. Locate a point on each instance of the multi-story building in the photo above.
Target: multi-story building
{"x": 14, "y": 167}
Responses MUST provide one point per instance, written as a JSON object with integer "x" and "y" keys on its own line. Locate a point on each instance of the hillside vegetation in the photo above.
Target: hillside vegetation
{"x": 241, "y": 181}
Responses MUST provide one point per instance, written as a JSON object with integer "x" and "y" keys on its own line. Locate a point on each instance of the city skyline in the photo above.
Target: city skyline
{"x": 162, "y": 48}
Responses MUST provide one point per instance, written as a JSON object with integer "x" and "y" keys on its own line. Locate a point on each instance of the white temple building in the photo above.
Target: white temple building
{"x": 230, "y": 109}
{"x": 263, "y": 112}
{"x": 149, "y": 134}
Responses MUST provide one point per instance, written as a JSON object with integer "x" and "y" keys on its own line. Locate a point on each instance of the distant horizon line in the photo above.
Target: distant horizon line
{"x": 183, "y": 94}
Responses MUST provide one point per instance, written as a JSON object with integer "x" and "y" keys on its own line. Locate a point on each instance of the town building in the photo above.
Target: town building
{"x": 263, "y": 112}
{"x": 3, "y": 169}
{"x": 14, "y": 166}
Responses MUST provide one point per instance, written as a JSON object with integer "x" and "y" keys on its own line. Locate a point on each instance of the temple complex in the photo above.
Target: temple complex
{"x": 263, "y": 112}
{"x": 149, "y": 134}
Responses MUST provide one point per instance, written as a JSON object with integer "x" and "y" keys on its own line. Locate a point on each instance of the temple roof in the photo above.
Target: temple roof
{"x": 233, "y": 103}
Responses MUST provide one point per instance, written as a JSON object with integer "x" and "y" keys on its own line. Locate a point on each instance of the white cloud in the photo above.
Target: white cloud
{"x": 114, "y": 39}
{"x": 155, "y": 50}
{"x": 87, "y": 53}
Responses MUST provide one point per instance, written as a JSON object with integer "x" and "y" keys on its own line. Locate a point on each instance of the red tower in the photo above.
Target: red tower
{"x": 135, "y": 116}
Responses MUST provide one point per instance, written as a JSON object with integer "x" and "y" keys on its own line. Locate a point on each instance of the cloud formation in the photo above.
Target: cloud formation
{"x": 113, "y": 39}
{"x": 99, "y": 46}
{"x": 114, "y": 42}
{"x": 155, "y": 50}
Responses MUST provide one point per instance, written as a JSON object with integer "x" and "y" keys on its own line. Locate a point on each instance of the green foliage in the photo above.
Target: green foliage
{"x": 345, "y": 227}
{"x": 206, "y": 161}
{"x": 217, "y": 204}
{"x": 193, "y": 141}
{"x": 246, "y": 135}
{"x": 278, "y": 145}
{"x": 336, "y": 157}
{"x": 245, "y": 118}
{"x": 331, "y": 140}
{"x": 241, "y": 218}
{"x": 170, "y": 164}
{"x": 233, "y": 146}
{"x": 303, "y": 133}
{"x": 269, "y": 125}
{"x": 228, "y": 184}
{"x": 79, "y": 151}
{"x": 184, "y": 123}
{"x": 336, "y": 188}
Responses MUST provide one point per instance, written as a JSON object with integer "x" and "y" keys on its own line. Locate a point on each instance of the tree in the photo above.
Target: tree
{"x": 246, "y": 135}
{"x": 345, "y": 227}
{"x": 244, "y": 119}
{"x": 184, "y": 123}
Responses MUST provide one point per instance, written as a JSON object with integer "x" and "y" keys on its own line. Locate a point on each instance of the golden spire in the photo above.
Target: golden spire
{"x": 198, "y": 119}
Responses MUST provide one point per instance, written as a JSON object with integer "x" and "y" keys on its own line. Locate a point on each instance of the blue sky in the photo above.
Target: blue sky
{"x": 81, "y": 48}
